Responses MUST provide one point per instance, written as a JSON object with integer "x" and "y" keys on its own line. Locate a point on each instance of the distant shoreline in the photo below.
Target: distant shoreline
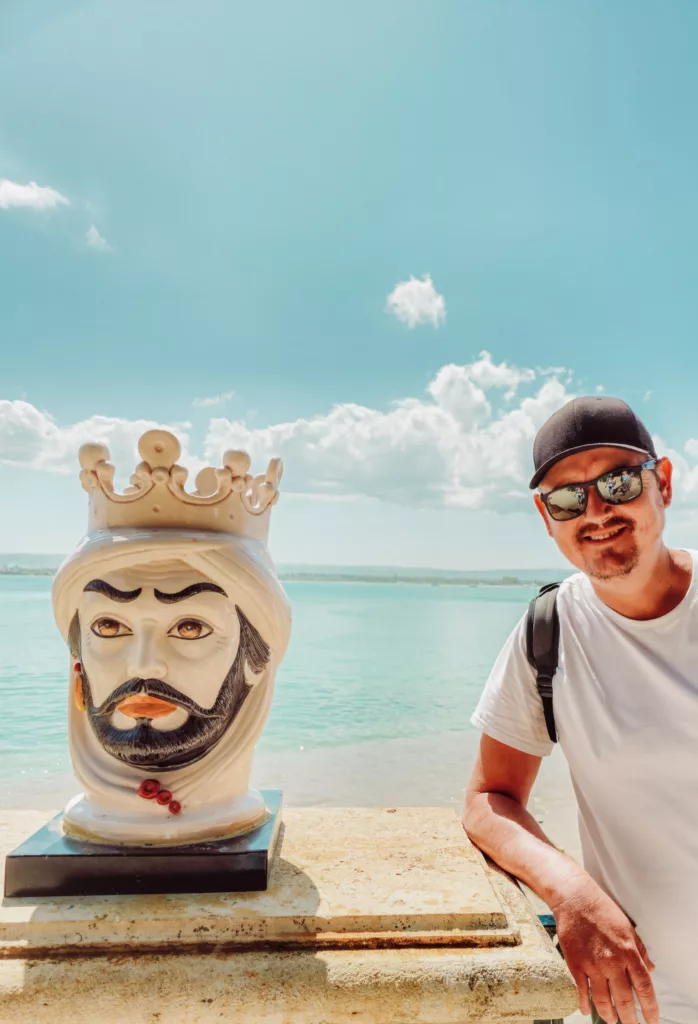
{"x": 428, "y": 581}
{"x": 333, "y": 577}
{"x": 17, "y": 570}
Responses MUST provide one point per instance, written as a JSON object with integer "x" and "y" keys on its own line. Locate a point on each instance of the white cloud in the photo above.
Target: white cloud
{"x": 600, "y": 388}
{"x": 213, "y": 400}
{"x": 453, "y": 447}
{"x": 499, "y": 375}
{"x": 95, "y": 241}
{"x": 461, "y": 444}
{"x": 32, "y": 196}
{"x": 417, "y": 302}
{"x": 29, "y": 437}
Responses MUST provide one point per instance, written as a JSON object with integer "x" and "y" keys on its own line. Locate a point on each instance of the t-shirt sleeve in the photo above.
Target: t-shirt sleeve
{"x": 510, "y": 709}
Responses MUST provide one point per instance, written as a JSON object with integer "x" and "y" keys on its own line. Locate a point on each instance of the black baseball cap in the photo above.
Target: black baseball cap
{"x": 584, "y": 423}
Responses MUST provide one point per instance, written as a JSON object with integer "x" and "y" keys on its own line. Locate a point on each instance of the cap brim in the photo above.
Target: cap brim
{"x": 540, "y": 473}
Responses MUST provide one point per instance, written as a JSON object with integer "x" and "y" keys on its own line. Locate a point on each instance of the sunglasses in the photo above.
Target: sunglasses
{"x": 616, "y": 488}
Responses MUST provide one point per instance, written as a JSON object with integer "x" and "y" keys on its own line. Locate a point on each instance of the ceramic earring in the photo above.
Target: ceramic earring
{"x": 77, "y": 687}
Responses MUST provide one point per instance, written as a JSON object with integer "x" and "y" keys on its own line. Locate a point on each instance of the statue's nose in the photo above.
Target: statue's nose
{"x": 146, "y": 661}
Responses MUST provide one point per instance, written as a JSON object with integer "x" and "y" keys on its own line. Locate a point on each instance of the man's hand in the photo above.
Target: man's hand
{"x": 604, "y": 953}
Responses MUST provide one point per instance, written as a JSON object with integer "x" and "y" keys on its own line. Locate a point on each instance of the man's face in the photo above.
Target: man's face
{"x": 608, "y": 541}
{"x": 162, "y": 665}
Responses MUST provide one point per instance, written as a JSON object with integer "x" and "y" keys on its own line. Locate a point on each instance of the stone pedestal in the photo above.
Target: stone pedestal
{"x": 371, "y": 917}
{"x": 50, "y": 863}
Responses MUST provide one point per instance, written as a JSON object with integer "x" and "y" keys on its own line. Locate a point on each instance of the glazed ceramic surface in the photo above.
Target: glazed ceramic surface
{"x": 176, "y": 623}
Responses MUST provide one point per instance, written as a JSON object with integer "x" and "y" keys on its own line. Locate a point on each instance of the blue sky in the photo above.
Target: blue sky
{"x": 256, "y": 179}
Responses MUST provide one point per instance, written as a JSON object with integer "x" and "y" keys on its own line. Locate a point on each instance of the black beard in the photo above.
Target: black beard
{"x": 147, "y": 748}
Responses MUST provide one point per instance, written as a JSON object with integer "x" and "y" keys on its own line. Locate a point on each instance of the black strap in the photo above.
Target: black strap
{"x": 542, "y": 639}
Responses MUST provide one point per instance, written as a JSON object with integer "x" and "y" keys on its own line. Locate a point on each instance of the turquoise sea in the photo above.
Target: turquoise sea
{"x": 367, "y": 661}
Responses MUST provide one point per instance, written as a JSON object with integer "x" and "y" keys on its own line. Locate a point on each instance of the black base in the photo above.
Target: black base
{"x": 52, "y": 864}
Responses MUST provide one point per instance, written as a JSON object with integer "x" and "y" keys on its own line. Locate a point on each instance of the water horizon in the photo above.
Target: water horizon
{"x": 52, "y": 560}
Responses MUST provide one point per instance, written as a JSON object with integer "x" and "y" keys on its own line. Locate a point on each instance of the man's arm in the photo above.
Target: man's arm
{"x": 603, "y": 951}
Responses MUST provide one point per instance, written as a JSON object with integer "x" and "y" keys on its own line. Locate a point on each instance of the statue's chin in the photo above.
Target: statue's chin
{"x": 153, "y": 825}
{"x": 161, "y": 764}
{"x": 155, "y": 750}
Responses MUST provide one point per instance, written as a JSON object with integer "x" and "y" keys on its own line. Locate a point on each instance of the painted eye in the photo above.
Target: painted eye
{"x": 109, "y": 628}
{"x": 190, "y": 629}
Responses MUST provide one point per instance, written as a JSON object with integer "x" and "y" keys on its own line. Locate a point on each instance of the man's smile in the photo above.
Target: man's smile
{"x": 607, "y": 535}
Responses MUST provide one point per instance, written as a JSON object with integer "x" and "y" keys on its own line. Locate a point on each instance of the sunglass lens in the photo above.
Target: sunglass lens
{"x": 621, "y": 485}
{"x": 566, "y": 503}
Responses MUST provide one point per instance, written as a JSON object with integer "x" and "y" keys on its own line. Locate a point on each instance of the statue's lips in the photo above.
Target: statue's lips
{"x": 143, "y": 706}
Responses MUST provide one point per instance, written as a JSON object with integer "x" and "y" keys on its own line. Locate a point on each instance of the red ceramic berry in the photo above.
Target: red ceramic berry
{"x": 164, "y": 796}
{"x": 175, "y": 807}
{"x": 149, "y": 789}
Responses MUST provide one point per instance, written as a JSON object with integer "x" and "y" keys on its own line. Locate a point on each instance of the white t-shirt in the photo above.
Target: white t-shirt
{"x": 626, "y": 708}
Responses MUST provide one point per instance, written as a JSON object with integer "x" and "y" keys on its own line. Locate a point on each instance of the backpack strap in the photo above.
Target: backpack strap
{"x": 542, "y": 640}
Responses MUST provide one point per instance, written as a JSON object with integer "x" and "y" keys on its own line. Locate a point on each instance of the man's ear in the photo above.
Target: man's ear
{"x": 664, "y": 472}
{"x": 541, "y": 508}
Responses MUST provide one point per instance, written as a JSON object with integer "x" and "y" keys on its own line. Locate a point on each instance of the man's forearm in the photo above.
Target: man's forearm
{"x": 505, "y": 830}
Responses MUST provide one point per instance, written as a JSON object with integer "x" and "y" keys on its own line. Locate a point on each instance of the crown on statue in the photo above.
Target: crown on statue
{"x": 227, "y": 499}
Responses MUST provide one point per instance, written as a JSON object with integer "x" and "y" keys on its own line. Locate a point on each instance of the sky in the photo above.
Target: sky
{"x": 383, "y": 241}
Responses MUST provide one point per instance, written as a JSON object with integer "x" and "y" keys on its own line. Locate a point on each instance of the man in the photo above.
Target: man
{"x": 626, "y": 710}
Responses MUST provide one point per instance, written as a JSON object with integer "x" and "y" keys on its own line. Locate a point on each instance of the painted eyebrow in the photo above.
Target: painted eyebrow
{"x": 101, "y": 587}
{"x": 182, "y": 595}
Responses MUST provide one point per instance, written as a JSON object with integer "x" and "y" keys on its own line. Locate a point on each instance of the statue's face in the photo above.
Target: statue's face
{"x": 163, "y": 665}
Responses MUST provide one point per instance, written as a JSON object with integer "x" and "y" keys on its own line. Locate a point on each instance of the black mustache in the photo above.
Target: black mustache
{"x": 152, "y": 688}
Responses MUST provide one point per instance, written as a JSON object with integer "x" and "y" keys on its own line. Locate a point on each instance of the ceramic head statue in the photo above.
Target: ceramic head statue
{"x": 176, "y": 624}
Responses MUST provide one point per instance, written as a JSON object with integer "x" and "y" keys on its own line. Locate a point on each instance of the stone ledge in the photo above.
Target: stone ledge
{"x": 386, "y": 987}
{"x": 415, "y": 985}
{"x": 342, "y": 878}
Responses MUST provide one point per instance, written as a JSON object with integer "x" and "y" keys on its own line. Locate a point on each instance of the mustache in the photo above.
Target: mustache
{"x": 610, "y": 524}
{"x": 152, "y": 688}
